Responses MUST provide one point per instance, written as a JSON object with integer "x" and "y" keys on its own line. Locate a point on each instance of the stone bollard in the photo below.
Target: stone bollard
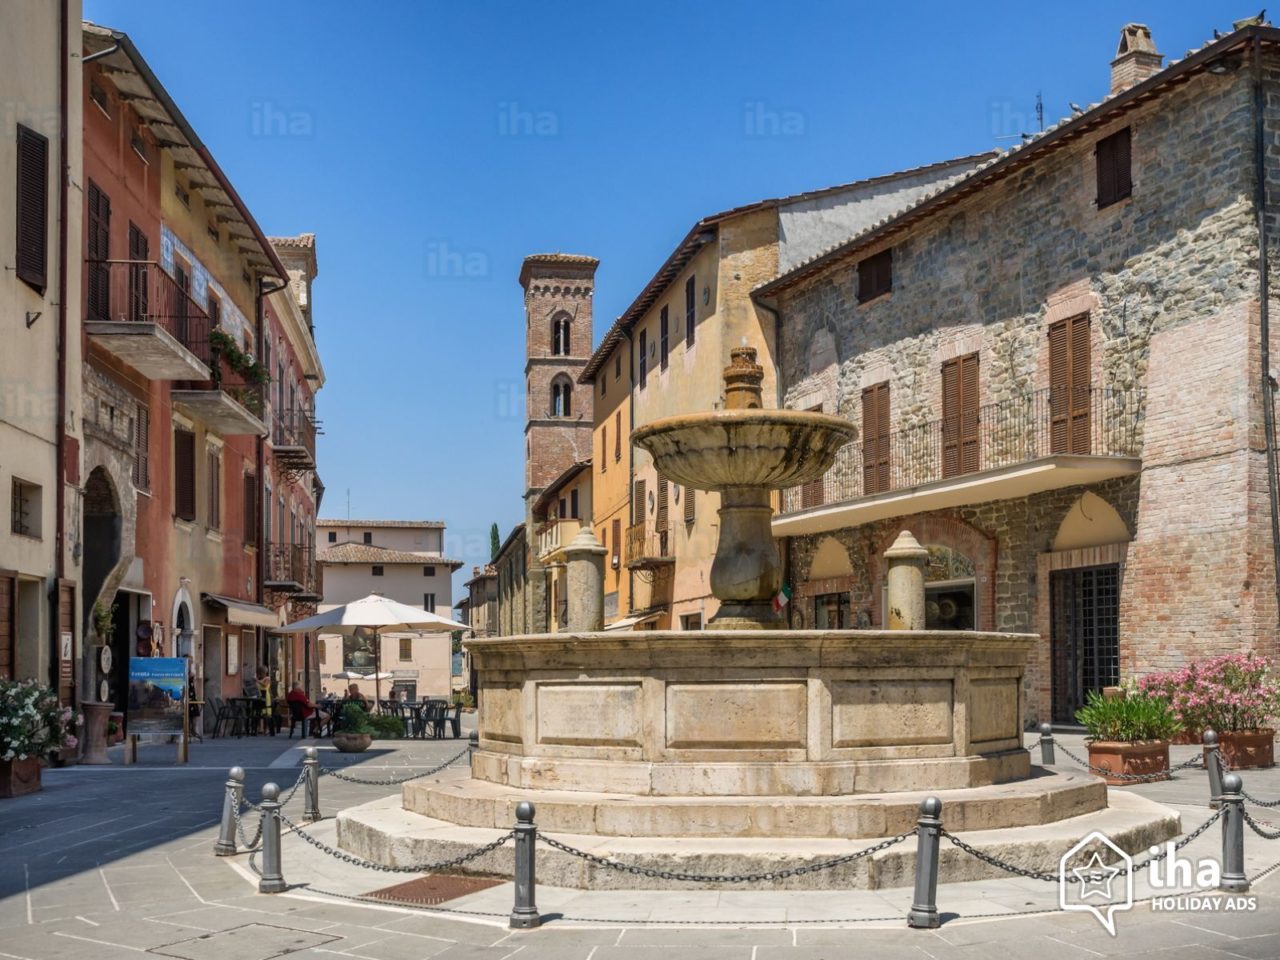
{"x": 473, "y": 744}
{"x": 524, "y": 915}
{"x": 584, "y": 588}
{"x": 1233, "y": 876}
{"x": 272, "y": 880}
{"x": 1212, "y": 764}
{"x": 905, "y": 590}
{"x": 311, "y": 785}
{"x": 1047, "y": 757}
{"x": 924, "y": 907}
{"x": 226, "y": 845}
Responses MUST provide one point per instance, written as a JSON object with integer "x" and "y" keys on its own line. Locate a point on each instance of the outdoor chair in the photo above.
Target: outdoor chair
{"x": 298, "y": 715}
{"x": 455, "y": 720}
{"x": 433, "y": 719}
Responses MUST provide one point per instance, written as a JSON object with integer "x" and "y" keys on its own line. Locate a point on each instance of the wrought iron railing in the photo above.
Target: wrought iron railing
{"x": 141, "y": 291}
{"x": 291, "y": 563}
{"x": 245, "y": 386}
{"x": 646, "y": 545}
{"x": 1086, "y": 421}
{"x": 295, "y": 428}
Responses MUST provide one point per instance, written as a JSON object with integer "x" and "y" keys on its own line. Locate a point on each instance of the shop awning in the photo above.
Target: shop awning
{"x": 243, "y": 612}
{"x": 626, "y": 623}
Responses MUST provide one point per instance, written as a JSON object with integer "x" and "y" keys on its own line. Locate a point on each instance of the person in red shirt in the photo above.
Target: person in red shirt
{"x": 309, "y": 709}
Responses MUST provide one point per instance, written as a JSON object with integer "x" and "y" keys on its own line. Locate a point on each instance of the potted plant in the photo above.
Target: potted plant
{"x": 354, "y": 732}
{"x": 1129, "y": 735}
{"x": 33, "y": 726}
{"x": 1236, "y": 695}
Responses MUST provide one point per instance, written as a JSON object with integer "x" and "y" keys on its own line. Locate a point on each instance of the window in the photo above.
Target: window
{"x": 377, "y": 570}
{"x": 32, "y": 254}
{"x": 98, "y": 240}
{"x": 368, "y": 538}
{"x": 333, "y": 536}
{"x": 831, "y": 611}
{"x": 184, "y": 474}
{"x": 690, "y": 312}
{"x": 1069, "y": 401}
{"x": 428, "y": 571}
{"x": 266, "y": 514}
{"x": 215, "y": 488}
{"x": 24, "y": 514}
{"x": 429, "y": 602}
{"x": 604, "y": 448}
{"x": 561, "y": 397}
{"x": 138, "y": 254}
{"x": 573, "y": 504}
{"x": 960, "y": 437}
{"x": 660, "y": 523}
{"x": 214, "y": 309}
{"x": 617, "y": 366}
{"x": 406, "y": 648}
{"x": 99, "y": 97}
{"x": 663, "y": 348}
{"x": 617, "y": 435}
{"x": 875, "y": 276}
{"x": 250, "y": 509}
{"x": 689, "y": 501}
{"x": 560, "y": 336}
{"x": 875, "y": 439}
{"x": 564, "y": 510}
{"x": 602, "y": 379}
{"x": 142, "y": 449}
{"x": 813, "y": 493}
{"x": 691, "y": 621}
{"x": 1115, "y": 169}
{"x": 644, "y": 357}
{"x": 615, "y": 539}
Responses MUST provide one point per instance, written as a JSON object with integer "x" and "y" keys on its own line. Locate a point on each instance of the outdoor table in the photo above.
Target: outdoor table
{"x": 250, "y": 709}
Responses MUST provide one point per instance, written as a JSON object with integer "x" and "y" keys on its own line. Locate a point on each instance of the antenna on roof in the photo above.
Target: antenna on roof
{"x": 348, "y": 504}
{"x": 1040, "y": 110}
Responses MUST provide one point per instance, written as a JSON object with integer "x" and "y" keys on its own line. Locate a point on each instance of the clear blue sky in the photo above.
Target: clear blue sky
{"x": 431, "y": 145}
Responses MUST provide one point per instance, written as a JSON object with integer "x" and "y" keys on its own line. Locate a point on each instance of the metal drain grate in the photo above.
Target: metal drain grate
{"x": 434, "y": 889}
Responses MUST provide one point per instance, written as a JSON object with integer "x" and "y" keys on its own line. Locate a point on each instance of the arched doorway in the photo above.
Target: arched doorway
{"x": 949, "y": 589}
{"x": 103, "y": 537}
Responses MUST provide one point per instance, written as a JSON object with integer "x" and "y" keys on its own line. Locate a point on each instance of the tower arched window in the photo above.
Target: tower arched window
{"x": 561, "y": 397}
{"x": 560, "y": 327}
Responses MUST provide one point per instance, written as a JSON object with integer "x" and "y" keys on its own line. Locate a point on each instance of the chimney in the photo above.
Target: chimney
{"x": 1136, "y": 58}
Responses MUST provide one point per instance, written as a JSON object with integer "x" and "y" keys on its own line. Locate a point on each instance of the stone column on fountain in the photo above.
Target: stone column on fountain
{"x": 585, "y": 587}
{"x": 907, "y": 561}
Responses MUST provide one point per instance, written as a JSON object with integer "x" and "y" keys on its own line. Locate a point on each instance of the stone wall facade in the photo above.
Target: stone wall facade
{"x": 1168, "y": 280}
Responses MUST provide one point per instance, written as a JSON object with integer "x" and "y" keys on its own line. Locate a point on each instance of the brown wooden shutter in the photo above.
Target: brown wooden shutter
{"x": 1069, "y": 389}
{"x": 8, "y": 623}
{"x": 690, "y": 311}
{"x": 690, "y": 501}
{"x": 215, "y": 489}
{"x": 961, "y": 439}
{"x": 644, "y": 356}
{"x": 1080, "y": 392}
{"x": 250, "y": 509}
{"x": 875, "y": 439}
{"x": 617, "y": 436}
{"x": 637, "y": 503}
{"x": 811, "y": 493}
{"x": 137, "y": 273}
{"x": 664, "y": 342}
{"x": 1113, "y": 157}
{"x": 142, "y": 448}
{"x": 604, "y": 448}
{"x": 99, "y": 248}
{"x": 616, "y": 536}
{"x": 31, "y": 256}
{"x": 875, "y": 275}
{"x": 661, "y": 523}
{"x": 184, "y": 474}
{"x": 1059, "y": 388}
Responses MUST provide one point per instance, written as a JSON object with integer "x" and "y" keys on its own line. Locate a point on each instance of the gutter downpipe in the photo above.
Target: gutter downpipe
{"x": 1264, "y": 310}
{"x": 60, "y": 479}
{"x": 260, "y": 455}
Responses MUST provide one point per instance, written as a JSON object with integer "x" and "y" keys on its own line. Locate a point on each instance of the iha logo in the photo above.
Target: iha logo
{"x": 1086, "y": 884}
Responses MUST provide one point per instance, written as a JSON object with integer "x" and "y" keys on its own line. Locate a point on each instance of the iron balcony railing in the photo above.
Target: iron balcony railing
{"x": 1057, "y": 420}
{"x": 294, "y": 429}
{"x": 291, "y": 565}
{"x": 141, "y": 291}
{"x": 554, "y": 534}
{"x": 244, "y": 383}
{"x": 648, "y": 547}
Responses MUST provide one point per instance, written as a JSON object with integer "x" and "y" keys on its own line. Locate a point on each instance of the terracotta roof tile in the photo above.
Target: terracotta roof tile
{"x": 366, "y": 553}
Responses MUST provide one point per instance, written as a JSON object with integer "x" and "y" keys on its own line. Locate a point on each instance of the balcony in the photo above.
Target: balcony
{"x": 648, "y": 549}
{"x": 1045, "y": 441}
{"x": 291, "y": 568}
{"x": 234, "y": 405}
{"x": 293, "y": 440}
{"x": 554, "y": 535}
{"x": 139, "y": 314}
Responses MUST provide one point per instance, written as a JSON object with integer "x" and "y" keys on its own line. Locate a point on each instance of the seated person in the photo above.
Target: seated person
{"x": 355, "y": 696}
{"x": 298, "y": 695}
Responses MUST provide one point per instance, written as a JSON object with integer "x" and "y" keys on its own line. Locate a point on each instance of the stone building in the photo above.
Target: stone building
{"x": 664, "y": 356}
{"x": 559, "y": 513}
{"x": 1057, "y": 364}
{"x": 511, "y": 568}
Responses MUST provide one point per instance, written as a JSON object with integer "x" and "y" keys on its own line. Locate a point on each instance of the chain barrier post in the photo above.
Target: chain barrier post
{"x": 272, "y": 880}
{"x": 311, "y": 786}
{"x": 226, "y": 845}
{"x": 1232, "y": 798}
{"x": 924, "y": 907}
{"x": 1213, "y": 764}
{"x": 524, "y": 914}
{"x": 473, "y": 744}
{"x": 1047, "y": 759}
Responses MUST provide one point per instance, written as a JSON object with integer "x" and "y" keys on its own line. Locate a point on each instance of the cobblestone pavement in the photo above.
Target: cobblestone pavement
{"x": 116, "y": 861}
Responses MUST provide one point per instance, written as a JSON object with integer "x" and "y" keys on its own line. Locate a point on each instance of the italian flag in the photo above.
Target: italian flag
{"x": 782, "y": 599}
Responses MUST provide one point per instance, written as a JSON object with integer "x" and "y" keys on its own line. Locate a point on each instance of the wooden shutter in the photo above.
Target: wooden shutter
{"x": 137, "y": 273}
{"x": 615, "y": 534}
{"x": 215, "y": 489}
{"x": 811, "y": 494}
{"x": 1115, "y": 168}
{"x": 637, "y": 503}
{"x": 142, "y": 448}
{"x": 617, "y": 435}
{"x": 664, "y": 347}
{"x": 644, "y": 356}
{"x": 690, "y": 499}
{"x": 31, "y": 257}
{"x": 875, "y": 439}
{"x": 690, "y": 311}
{"x": 250, "y": 509}
{"x": 661, "y": 523}
{"x": 99, "y": 249}
{"x": 960, "y": 416}
{"x": 604, "y": 448}
{"x": 875, "y": 275}
{"x": 1069, "y": 389}
{"x": 184, "y": 474}
{"x": 8, "y": 623}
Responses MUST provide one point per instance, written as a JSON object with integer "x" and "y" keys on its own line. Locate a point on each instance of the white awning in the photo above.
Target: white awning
{"x": 627, "y": 623}
{"x": 243, "y": 612}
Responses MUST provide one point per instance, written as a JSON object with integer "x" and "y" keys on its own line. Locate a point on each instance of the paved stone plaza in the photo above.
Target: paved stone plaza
{"x": 117, "y": 862}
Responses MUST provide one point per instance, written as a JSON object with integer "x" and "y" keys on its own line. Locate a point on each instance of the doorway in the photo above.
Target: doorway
{"x": 211, "y": 686}
{"x": 1084, "y": 635}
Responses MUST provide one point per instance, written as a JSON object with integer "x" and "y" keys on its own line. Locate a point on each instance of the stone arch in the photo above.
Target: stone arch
{"x": 561, "y": 334}
{"x": 1091, "y": 522}
{"x": 561, "y": 396}
{"x": 109, "y": 510}
{"x": 182, "y": 620}
{"x": 944, "y": 531}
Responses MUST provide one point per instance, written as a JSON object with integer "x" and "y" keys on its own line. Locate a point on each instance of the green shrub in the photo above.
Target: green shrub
{"x": 354, "y": 719}
{"x": 386, "y": 728}
{"x": 1136, "y": 716}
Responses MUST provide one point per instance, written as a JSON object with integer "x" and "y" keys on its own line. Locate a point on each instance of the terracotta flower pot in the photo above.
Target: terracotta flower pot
{"x": 1247, "y": 749}
{"x": 1144, "y": 758}
{"x": 19, "y": 777}
{"x": 352, "y": 742}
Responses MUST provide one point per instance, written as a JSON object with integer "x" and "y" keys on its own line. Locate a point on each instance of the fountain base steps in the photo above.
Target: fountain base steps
{"x": 385, "y": 832}
{"x": 1037, "y": 800}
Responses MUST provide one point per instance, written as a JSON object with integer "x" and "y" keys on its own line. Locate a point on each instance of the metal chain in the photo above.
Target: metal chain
{"x": 1258, "y": 828}
{"x": 1258, "y": 803}
{"x": 418, "y": 868}
{"x": 720, "y": 877}
{"x": 248, "y": 844}
{"x": 1134, "y": 777}
{"x": 391, "y": 781}
{"x": 286, "y": 798}
{"x": 1196, "y": 761}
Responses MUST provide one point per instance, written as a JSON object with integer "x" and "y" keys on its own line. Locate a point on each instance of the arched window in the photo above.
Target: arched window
{"x": 561, "y": 397}
{"x": 560, "y": 336}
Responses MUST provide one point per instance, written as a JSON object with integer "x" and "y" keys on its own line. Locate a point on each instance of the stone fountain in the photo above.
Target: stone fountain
{"x": 746, "y": 746}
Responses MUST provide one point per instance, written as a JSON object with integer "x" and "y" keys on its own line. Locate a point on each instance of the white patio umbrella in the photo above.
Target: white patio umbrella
{"x": 379, "y": 613}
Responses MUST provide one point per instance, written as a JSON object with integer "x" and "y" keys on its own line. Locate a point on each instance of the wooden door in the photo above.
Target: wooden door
{"x": 98, "y": 235}
{"x": 875, "y": 439}
{"x": 1069, "y": 393}
{"x": 961, "y": 427}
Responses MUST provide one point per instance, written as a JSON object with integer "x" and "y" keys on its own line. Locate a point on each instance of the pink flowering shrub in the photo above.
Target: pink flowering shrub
{"x": 32, "y": 722}
{"x": 1232, "y": 692}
